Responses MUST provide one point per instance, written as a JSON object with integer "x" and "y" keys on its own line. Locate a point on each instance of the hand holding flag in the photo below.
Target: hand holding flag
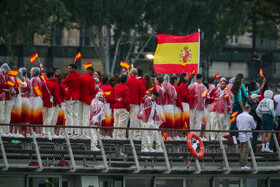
{"x": 78, "y": 56}
{"x": 150, "y": 90}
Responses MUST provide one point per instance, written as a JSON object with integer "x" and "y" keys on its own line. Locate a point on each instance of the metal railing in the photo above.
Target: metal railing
{"x": 74, "y": 153}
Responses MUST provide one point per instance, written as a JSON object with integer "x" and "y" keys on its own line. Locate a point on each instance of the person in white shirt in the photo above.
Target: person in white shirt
{"x": 265, "y": 111}
{"x": 245, "y": 121}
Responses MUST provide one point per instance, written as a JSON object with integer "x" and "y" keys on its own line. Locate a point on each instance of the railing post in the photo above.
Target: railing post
{"x": 222, "y": 147}
{"x": 254, "y": 162}
{"x": 106, "y": 168}
{"x": 70, "y": 152}
{"x": 6, "y": 164}
{"x": 134, "y": 155}
{"x": 168, "y": 169}
{"x": 276, "y": 145}
{"x": 37, "y": 150}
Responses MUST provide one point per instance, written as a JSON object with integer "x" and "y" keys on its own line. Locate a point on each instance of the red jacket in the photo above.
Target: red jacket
{"x": 87, "y": 88}
{"x": 62, "y": 92}
{"x": 120, "y": 97}
{"x": 35, "y": 81}
{"x": 185, "y": 94}
{"x": 72, "y": 82}
{"x": 12, "y": 91}
{"x": 136, "y": 89}
{"x": 107, "y": 88}
{"x": 197, "y": 88}
{"x": 50, "y": 88}
{"x": 222, "y": 104}
{"x": 179, "y": 97}
{"x": 2, "y": 86}
{"x": 143, "y": 81}
{"x": 26, "y": 90}
{"x": 146, "y": 109}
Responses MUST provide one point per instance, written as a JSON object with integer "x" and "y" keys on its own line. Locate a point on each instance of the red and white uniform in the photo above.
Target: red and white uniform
{"x": 121, "y": 103}
{"x": 2, "y": 98}
{"x": 108, "y": 108}
{"x": 72, "y": 83}
{"x": 137, "y": 92}
{"x": 36, "y": 102}
{"x": 197, "y": 105}
{"x": 186, "y": 97}
{"x": 25, "y": 99}
{"x": 87, "y": 93}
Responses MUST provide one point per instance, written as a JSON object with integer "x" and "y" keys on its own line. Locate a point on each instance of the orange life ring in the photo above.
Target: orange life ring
{"x": 189, "y": 143}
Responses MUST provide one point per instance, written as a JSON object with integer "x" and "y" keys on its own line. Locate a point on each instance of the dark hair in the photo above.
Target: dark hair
{"x": 160, "y": 79}
{"x": 182, "y": 80}
{"x": 199, "y": 76}
{"x": 149, "y": 81}
{"x": 73, "y": 66}
{"x": 247, "y": 107}
{"x": 114, "y": 80}
{"x": 140, "y": 72}
{"x": 239, "y": 77}
{"x": 211, "y": 80}
{"x": 173, "y": 79}
{"x": 55, "y": 69}
{"x": 155, "y": 94}
{"x": 252, "y": 86}
{"x": 105, "y": 80}
{"x": 50, "y": 74}
{"x": 236, "y": 86}
{"x": 90, "y": 69}
{"x": 123, "y": 78}
{"x": 99, "y": 74}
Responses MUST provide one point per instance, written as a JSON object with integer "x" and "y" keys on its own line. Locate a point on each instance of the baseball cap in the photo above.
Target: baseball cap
{"x": 254, "y": 96}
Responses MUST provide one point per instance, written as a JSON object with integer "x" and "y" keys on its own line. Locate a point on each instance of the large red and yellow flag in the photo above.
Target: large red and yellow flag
{"x": 13, "y": 72}
{"x": 177, "y": 54}
{"x": 33, "y": 58}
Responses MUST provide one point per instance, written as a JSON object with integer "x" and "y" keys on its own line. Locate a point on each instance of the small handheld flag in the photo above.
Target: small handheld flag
{"x": 13, "y": 73}
{"x": 43, "y": 77}
{"x": 150, "y": 90}
{"x": 216, "y": 75}
{"x": 37, "y": 90}
{"x": 33, "y": 58}
{"x": 204, "y": 93}
{"x": 227, "y": 95}
{"x": 106, "y": 93}
{"x": 234, "y": 114}
{"x": 124, "y": 65}
{"x": 191, "y": 73}
{"x": 88, "y": 64}
{"x": 232, "y": 120}
{"x": 261, "y": 73}
{"x": 18, "y": 83}
{"x": 78, "y": 56}
{"x": 10, "y": 83}
{"x": 164, "y": 136}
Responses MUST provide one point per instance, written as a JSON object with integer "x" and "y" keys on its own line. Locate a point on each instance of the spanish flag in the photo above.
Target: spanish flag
{"x": 177, "y": 54}
{"x": 88, "y": 64}
{"x": 261, "y": 73}
{"x": 78, "y": 56}
{"x": 10, "y": 83}
{"x": 164, "y": 136}
{"x": 227, "y": 95}
{"x": 106, "y": 93}
{"x": 185, "y": 125}
{"x": 232, "y": 120}
{"x": 150, "y": 90}
{"x": 13, "y": 73}
{"x": 216, "y": 75}
{"x": 37, "y": 90}
{"x": 18, "y": 83}
{"x": 234, "y": 114}
{"x": 191, "y": 73}
{"x": 33, "y": 58}
{"x": 124, "y": 65}
{"x": 204, "y": 93}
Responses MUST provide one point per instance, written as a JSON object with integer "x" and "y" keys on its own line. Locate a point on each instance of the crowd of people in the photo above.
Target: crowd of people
{"x": 134, "y": 100}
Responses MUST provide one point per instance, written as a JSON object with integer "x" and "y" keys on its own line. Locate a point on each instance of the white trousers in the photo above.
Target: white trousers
{"x": 217, "y": 122}
{"x": 148, "y": 136}
{"x": 196, "y": 119}
{"x": 72, "y": 114}
{"x": 93, "y": 137}
{"x": 84, "y": 110}
{"x": 8, "y": 106}
{"x": 2, "y": 108}
{"x": 120, "y": 120}
{"x": 48, "y": 115}
{"x": 55, "y": 115}
{"x": 134, "y": 121}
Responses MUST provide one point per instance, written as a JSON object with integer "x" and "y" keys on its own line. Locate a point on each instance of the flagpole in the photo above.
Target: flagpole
{"x": 198, "y": 50}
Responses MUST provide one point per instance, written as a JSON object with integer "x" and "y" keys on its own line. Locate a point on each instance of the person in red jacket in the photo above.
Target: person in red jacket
{"x": 137, "y": 92}
{"x": 3, "y": 75}
{"x": 72, "y": 82}
{"x": 186, "y": 97}
{"x": 97, "y": 74}
{"x": 57, "y": 80}
{"x": 50, "y": 99}
{"x": 140, "y": 76}
{"x": 88, "y": 91}
{"x": 120, "y": 98}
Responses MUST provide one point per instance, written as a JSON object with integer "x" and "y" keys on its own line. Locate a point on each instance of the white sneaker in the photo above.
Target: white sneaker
{"x": 263, "y": 150}
{"x": 212, "y": 139}
{"x": 152, "y": 150}
{"x": 183, "y": 138}
{"x": 267, "y": 150}
{"x": 159, "y": 150}
{"x": 224, "y": 139}
{"x": 55, "y": 136}
{"x": 145, "y": 150}
{"x": 49, "y": 136}
{"x": 95, "y": 149}
{"x": 245, "y": 168}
